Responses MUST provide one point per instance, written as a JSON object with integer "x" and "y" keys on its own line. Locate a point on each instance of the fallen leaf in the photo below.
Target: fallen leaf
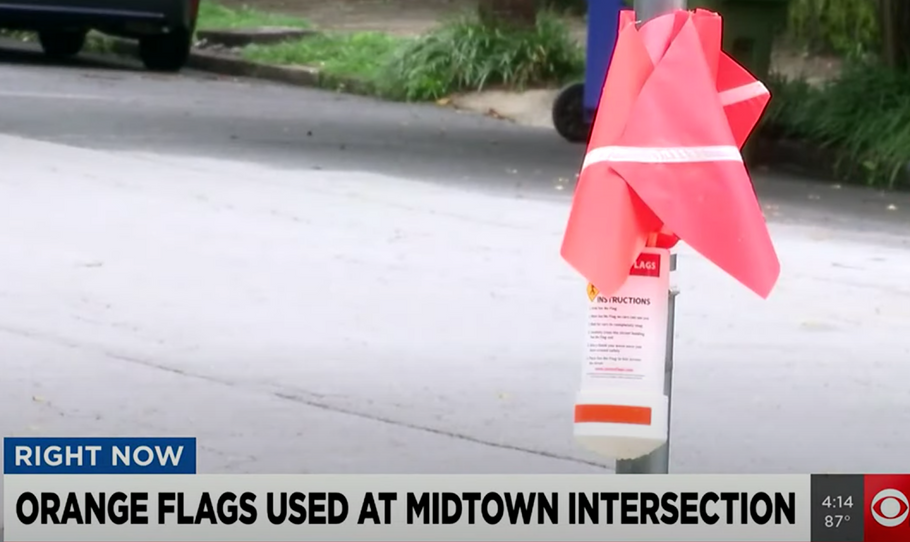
{"x": 444, "y": 101}
{"x": 494, "y": 114}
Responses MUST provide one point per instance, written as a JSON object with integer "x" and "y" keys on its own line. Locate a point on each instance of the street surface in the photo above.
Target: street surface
{"x": 314, "y": 282}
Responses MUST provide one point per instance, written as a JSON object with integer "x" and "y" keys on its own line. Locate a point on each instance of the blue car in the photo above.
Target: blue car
{"x": 164, "y": 28}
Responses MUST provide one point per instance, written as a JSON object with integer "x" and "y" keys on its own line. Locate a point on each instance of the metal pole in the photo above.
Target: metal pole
{"x": 645, "y": 10}
{"x": 658, "y": 461}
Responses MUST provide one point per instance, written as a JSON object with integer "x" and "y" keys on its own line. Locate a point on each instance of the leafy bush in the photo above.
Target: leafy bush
{"x": 467, "y": 55}
{"x": 837, "y": 26}
{"x": 864, "y": 116}
{"x": 577, "y": 7}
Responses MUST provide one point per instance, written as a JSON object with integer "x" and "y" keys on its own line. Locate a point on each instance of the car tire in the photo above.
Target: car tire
{"x": 166, "y": 52}
{"x": 62, "y": 43}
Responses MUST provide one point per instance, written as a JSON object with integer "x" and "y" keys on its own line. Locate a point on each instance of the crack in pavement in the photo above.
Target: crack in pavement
{"x": 286, "y": 396}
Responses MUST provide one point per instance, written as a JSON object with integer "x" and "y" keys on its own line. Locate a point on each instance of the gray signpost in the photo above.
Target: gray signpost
{"x": 645, "y": 10}
{"x": 658, "y": 461}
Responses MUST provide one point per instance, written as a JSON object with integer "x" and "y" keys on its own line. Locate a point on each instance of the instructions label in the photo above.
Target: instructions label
{"x": 627, "y": 330}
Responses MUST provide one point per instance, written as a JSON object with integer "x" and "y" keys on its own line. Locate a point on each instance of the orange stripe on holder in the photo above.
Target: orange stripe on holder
{"x": 632, "y": 415}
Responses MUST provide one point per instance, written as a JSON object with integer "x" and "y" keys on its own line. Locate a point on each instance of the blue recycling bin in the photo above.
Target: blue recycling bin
{"x": 574, "y": 108}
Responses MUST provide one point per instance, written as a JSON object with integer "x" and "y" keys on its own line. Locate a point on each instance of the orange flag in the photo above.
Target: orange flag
{"x": 663, "y": 162}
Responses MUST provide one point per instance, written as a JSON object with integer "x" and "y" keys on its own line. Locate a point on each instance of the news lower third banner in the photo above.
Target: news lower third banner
{"x": 147, "y": 490}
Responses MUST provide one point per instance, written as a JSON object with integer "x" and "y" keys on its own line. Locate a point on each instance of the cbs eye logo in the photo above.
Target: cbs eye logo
{"x": 890, "y": 508}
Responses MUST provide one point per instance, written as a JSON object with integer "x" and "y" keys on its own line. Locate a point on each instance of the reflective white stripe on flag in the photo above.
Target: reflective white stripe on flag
{"x": 663, "y": 155}
{"x": 743, "y": 93}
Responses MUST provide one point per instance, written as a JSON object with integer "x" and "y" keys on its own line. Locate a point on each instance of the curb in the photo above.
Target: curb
{"x": 793, "y": 156}
{"x": 221, "y": 64}
{"x": 806, "y": 159}
{"x": 236, "y": 37}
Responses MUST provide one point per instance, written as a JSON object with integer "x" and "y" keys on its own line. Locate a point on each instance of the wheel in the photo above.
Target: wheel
{"x": 61, "y": 43}
{"x": 569, "y": 114}
{"x": 166, "y": 52}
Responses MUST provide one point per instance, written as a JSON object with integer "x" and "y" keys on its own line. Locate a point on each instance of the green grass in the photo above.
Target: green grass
{"x": 462, "y": 55}
{"x": 213, "y": 15}
{"x": 18, "y": 35}
{"x": 360, "y": 55}
{"x": 864, "y": 116}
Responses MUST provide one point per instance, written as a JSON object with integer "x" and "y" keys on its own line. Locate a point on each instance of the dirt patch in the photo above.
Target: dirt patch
{"x": 399, "y": 17}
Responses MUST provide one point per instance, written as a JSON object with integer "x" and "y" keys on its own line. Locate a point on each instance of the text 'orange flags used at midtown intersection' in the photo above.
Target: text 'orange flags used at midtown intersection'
{"x": 664, "y": 159}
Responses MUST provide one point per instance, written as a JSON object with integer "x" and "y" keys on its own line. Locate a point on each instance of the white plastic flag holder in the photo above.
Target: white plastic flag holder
{"x": 622, "y": 409}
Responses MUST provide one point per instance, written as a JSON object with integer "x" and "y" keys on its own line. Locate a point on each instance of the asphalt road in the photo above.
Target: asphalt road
{"x": 314, "y": 282}
{"x": 94, "y": 103}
